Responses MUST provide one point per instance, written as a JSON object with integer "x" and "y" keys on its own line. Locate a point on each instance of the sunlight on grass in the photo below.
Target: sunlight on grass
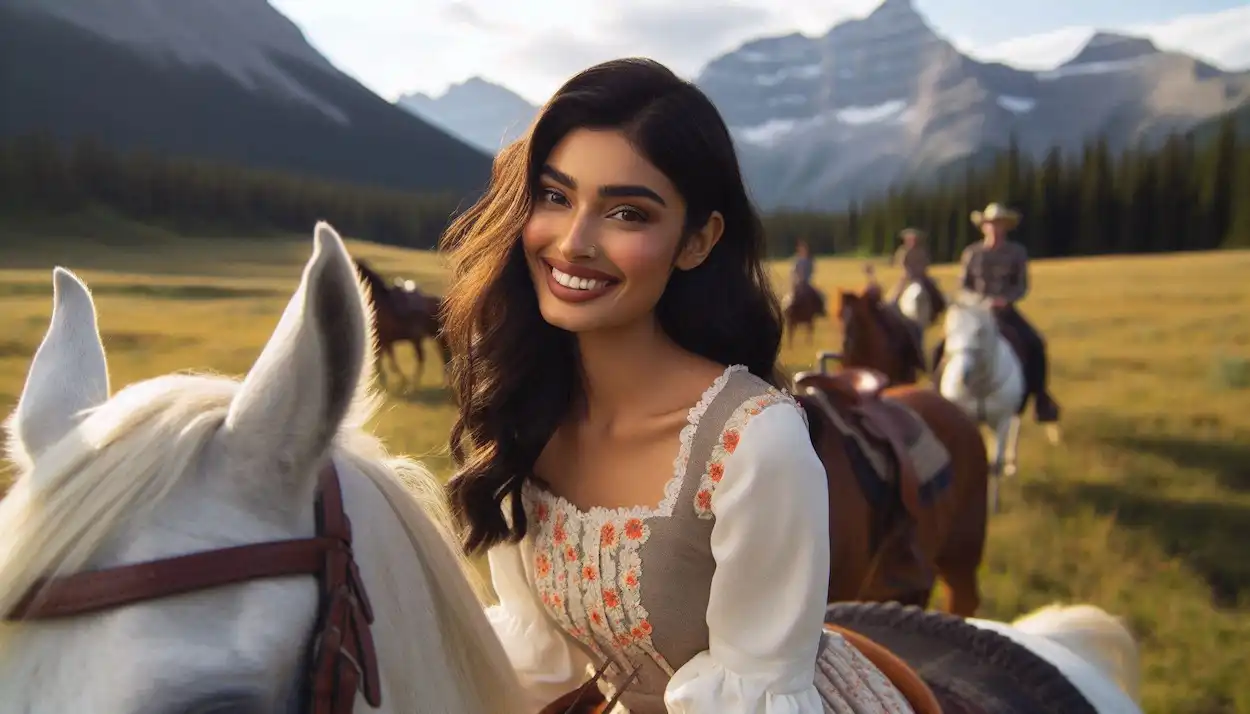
{"x": 1143, "y": 510}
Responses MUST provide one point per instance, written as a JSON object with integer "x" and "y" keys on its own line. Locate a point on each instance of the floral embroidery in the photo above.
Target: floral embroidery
{"x": 586, "y": 567}
{"x": 594, "y": 591}
{"x": 728, "y": 443}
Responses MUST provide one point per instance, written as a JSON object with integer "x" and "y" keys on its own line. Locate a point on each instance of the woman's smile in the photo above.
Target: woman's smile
{"x": 577, "y": 283}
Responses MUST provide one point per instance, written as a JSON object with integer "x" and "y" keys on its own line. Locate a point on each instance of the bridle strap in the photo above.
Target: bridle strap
{"x": 93, "y": 591}
{"x": 343, "y": 659}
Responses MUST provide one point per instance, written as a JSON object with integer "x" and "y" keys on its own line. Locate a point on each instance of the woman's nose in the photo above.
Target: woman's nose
{"x": 579, "y": 240}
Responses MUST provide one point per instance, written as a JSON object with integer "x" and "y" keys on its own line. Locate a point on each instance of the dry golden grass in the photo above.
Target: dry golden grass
{"x": 1143, "y": 510}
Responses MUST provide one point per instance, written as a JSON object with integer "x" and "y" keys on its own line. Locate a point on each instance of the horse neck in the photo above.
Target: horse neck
{"x": 377, "y": 285}
{"x": 987, "y": 362}
{"x": 435, "y": 649}
{"x": 871, "y": 348}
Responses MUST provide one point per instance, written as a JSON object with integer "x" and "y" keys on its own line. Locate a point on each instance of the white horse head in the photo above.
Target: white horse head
{"x": 970, "y": 325}
{"x": 185, "y": 463}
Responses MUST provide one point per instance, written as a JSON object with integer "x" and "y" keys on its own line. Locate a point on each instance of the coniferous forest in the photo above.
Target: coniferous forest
{"x": 1187, "y": 194}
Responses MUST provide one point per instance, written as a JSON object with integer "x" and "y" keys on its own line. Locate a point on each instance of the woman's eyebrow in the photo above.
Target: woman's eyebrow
{"x": 609, "y": 191}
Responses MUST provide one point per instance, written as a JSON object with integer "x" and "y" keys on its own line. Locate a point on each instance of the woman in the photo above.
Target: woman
{"x": 648, "y": 493}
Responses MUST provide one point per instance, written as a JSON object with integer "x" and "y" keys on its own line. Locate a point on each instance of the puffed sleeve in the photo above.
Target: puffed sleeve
{"x": 770, "y": 540}
{"x": 547, "y": 662}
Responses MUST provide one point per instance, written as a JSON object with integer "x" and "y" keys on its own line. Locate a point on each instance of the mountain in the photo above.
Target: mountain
{"x": 230, "y": 80}
{"x": 482, "y": 113}
{"x": 821, "y": 120}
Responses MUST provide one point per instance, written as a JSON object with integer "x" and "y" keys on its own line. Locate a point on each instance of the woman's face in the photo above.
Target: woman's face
{"x": 605, "y": 234}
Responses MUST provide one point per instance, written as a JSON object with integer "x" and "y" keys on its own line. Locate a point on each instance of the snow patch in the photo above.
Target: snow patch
{"x": 1086, "y": 68}
{"x": 871, "y": 115}
{"x": 769, "y": 133}
{"x": 809, "y": 71}
{"x": 1016, "y": 105}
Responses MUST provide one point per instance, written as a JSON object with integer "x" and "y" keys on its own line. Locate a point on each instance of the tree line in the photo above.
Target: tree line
{"x": 40, "y": 175}
{"x": 1185, "y": 194}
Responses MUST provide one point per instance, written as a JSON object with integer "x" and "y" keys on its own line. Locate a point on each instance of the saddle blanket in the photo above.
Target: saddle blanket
{"x": 873, "y": 459}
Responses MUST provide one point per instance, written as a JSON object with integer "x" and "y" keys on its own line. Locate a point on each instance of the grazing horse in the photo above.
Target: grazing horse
{"x": 982, "y": 373}
{"x": 246, "y": 546}
{"x": 801, "y": 307}
{"x": 184, "y": 545}
{"x": 876, "y": 335}
{"x": 402, "y": 313}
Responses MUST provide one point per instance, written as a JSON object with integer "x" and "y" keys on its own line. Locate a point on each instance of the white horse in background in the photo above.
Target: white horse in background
{"x": 188, "y": 463}
{"x": 983, "y": 375}
{"x": 916, "y": 306}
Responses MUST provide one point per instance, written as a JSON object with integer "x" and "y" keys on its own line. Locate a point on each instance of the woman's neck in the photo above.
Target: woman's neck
{"x": 619, "y": 368}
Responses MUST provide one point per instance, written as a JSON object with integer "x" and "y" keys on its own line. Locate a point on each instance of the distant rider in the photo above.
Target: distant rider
{"x": 997, "y": 269}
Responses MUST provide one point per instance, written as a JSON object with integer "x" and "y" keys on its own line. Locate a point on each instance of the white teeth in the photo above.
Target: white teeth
{"x": 575, "y": 283}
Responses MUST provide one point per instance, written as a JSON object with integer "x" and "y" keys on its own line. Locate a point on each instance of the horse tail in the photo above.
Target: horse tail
{"x": 1093, "y": 635}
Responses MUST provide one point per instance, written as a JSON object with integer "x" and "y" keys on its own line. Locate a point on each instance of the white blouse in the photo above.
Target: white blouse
{"x": 770, "y": 541}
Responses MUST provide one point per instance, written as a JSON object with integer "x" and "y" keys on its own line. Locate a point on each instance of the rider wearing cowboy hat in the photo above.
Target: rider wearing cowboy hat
{"x": 997, "y": 269}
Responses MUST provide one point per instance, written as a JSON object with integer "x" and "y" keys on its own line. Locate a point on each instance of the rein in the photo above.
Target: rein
{"x": 342, "y": 659}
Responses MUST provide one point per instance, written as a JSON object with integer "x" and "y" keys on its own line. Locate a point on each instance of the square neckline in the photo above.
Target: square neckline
{"x": 672, "y": 487}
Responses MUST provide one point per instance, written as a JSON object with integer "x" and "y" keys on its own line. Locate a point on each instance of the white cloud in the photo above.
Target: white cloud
{"x": 395, "y": 46}
{"x": 1222, "y": 38}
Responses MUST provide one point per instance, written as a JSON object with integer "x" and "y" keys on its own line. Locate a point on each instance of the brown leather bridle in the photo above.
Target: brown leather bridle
{"x": 342, "y": 659}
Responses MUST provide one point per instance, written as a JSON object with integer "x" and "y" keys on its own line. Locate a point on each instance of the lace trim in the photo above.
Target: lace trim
{"x": 599, "y": 515}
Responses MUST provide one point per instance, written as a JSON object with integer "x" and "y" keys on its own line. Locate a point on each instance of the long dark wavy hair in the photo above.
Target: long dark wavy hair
{"x": 514, "y": 376}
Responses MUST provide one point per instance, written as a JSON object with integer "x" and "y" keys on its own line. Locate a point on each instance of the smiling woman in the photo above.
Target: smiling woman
{"x": 624, "y": 447}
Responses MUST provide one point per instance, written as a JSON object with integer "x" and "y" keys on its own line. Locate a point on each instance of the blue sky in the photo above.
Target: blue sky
{"x": 531, "y": 46}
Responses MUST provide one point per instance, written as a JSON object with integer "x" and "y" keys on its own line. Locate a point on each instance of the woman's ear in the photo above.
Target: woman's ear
{"x": 701, "y": 242}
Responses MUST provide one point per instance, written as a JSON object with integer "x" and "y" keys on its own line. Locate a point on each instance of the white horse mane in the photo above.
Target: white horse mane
{"x": 122, "y": 458}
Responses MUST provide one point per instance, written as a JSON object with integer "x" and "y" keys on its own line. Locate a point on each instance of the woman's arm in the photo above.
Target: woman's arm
{"x": 771, "y": 545}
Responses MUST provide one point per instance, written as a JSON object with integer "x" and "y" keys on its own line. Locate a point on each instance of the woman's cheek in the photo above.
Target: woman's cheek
{"x": 641, "y": 255}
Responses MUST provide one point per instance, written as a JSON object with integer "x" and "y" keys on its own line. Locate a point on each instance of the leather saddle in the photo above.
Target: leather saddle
{"x": 856, "y": 393}
{"x": 899, "y": 570}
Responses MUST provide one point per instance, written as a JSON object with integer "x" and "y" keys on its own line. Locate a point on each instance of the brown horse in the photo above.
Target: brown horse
{"x": 877, "y": 336}
{"x": 801, "y": 307}
{"x": 402, "y": 314}
{"x": 891, "y": 538}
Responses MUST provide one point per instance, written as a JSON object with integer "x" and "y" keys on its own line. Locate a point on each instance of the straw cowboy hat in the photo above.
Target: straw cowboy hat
{"x": 996, "y": 212}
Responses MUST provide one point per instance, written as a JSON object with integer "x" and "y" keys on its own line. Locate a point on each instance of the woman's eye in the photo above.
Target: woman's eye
{"x": 629, "y": 215}
{"x": 550, "y": 195}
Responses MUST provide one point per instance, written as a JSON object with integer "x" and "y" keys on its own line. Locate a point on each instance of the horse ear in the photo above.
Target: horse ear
{"x": 69, "y": 373}
{"x": 297, "y": 394}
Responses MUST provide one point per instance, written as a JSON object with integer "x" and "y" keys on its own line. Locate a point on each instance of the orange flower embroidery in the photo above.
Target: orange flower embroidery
{"x": 716, "y": 472}
{"x": 569, "y": 553}
{"x": 704, "y": 499}
{"x": 542, "y": 565}
{"x": 557, "y": 600}
{"x": 633, "y": 529}
{"x": 590, "y": 573}
{"x": 644, "y": 627}
{"x": 624, "y": 639}
{"x": 558, "y": 534}
{"x": 542, "y": 513}
{"x": 607, "y": 535}
{"x": 730, "y": 440}
{"x": 631, "y": 579}
{"x": 596, "y": 617}
{"x": 610, "y": 598}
